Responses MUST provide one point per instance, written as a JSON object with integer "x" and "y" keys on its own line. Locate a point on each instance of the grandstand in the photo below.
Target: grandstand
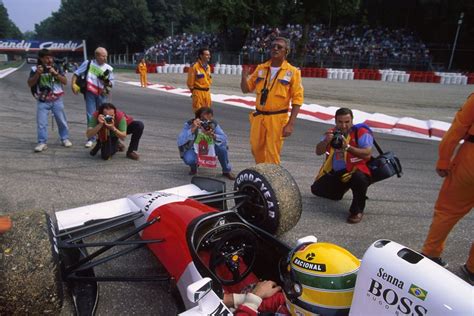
{"x": 351, "y": 46}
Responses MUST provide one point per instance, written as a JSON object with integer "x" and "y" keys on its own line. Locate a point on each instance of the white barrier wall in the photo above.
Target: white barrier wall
{"x": 394, "y": 75}
{"x": 452, "y": 78}
{"x": 340, "y": 74}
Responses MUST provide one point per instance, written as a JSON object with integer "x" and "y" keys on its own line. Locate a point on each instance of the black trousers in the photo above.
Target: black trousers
{"x": 109, "y": 147}
{"x": 331, "y": 187}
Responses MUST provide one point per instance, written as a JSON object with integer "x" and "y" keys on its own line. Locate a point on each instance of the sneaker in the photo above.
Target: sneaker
{"x": 193, "y": 172}
{"x": 354, "y": 218}
{"x": 67, "y": 143}
{"x": 41, "y": 147}
{"x": 469, "y": 275}
{"x": 133, "y": 155}
{"x": 437, "y": 260}
{"x": 229, "y": 175}
{"x": 89, "y": 144}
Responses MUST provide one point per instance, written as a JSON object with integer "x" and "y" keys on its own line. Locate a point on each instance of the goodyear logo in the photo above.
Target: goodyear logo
{"x": 417, "y": 292}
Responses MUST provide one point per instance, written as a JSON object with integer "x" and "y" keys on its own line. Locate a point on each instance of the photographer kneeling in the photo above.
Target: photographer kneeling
{"x": 348, "y": 148}
{"x": 111, "y": 124}
{"x": 204, "y": 123}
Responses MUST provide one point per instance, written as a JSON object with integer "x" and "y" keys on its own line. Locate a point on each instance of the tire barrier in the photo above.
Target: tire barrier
{"x": 394, "y": 75}
{"x": 388, "y": 75}
{"x": 340, "y": 74}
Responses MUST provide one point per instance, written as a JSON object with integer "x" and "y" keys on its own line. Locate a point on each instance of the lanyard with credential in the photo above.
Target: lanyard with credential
{"x": 274, "y": 80}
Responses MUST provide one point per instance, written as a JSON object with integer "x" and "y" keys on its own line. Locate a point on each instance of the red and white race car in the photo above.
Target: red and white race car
{"x": 211, "y": 228}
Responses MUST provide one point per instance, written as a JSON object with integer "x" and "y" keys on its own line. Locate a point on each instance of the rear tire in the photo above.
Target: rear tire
{"x": 274, "y": 202}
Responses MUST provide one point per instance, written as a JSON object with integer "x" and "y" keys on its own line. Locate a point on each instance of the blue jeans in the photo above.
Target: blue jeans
{"x": 92, "y": 104}
{"x": 190, "y": 158}
{"x": 42, "y": 111}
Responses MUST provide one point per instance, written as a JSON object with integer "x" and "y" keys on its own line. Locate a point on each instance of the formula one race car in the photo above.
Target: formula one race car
{"x": 221, "y": 244}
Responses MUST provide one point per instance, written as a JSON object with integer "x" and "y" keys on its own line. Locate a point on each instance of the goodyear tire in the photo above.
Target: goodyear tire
{"x": 274, "y": 199}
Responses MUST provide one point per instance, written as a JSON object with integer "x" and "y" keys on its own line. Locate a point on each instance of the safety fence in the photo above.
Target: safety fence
{"x": 388, "y": 75}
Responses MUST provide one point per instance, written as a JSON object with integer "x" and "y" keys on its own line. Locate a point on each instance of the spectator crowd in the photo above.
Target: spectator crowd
{"x": 350, "y": 41}
{"x": 182, "y": 45}
{"x": 359, "y": 41}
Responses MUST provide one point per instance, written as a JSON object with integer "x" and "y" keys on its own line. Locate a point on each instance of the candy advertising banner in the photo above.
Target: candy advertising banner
{"x": 35, "y": 45}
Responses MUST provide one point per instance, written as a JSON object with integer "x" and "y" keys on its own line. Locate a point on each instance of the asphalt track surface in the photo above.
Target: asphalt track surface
{"x": 62, "y": 178}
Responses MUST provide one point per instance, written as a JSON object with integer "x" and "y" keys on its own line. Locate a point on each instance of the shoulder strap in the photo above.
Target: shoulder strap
{"x": 87, "y": 69}
{"x": 356, "y": 130}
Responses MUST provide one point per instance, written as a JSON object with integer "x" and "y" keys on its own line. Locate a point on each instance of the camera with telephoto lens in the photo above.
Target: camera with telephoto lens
{"x": 108, "y": 118}
{"x": 105, "y": 77}
{"x": 207, "y": 125}
{"x": 338, "y": 139}
{"x": 263, "y": 96}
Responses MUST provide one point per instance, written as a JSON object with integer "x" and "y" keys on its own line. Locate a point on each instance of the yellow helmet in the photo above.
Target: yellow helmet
{"x": 319, "y": 278}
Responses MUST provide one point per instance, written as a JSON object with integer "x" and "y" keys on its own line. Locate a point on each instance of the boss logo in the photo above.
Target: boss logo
{"x": 391, "y": 300}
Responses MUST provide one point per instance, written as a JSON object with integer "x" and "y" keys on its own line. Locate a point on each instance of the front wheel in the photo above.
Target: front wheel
{"x": 273, "y": 199}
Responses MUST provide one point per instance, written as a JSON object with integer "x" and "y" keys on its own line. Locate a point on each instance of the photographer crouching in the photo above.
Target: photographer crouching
{"x": 203, "y": 126}
{"x": 110, "y": 124}
{"x": 46, "y": 81}
{"x": 348, "y": 148}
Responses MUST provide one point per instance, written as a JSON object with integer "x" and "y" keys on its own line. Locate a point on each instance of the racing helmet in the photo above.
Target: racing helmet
{"x": 319, "y": 278}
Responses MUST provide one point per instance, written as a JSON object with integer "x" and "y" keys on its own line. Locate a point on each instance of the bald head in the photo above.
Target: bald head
{"x": 101, "y": 55}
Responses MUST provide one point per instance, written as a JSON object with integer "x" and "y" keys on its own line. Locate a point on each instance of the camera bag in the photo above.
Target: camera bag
{"x": 81, "y": 81}
{"x": 384, "y": 166}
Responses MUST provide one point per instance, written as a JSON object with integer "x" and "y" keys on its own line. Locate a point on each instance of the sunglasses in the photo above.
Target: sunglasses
{"x": 277, "y": 46}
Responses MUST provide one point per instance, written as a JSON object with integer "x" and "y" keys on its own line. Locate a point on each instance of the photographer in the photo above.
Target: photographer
{"x": 111, "y": 124}
{"x": 46, "y": 81}
{"x": 99, "y": 79}
{"x": 348, "y": 148}
{"x": 204, "y": 123}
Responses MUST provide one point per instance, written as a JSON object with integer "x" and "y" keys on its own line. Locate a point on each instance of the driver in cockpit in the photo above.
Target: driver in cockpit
{"x": 317, "y": 278}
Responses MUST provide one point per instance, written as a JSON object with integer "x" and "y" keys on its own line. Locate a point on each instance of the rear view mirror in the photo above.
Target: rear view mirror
{"x": 199, "y": 289}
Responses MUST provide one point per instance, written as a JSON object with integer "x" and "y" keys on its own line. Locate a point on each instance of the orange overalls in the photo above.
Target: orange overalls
{"x": 199, "y": 82}
{"x": 268, "y": 121}
{"x": 456, "y": 197}
{"x": 142, "y": 69}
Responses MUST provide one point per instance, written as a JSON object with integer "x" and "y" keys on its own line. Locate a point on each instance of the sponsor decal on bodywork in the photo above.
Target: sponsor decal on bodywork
{"x": 417, "y": 292}
{"x": 386, "y": 291}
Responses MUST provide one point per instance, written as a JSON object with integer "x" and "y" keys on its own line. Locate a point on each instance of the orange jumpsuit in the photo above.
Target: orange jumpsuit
{"x": 142, "y": 69}
{"x": 268, "y": 121}
{"x": 456, "y": 197}
{"x": 199, "y": 82}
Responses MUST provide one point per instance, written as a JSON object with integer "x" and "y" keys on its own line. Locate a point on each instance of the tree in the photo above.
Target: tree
{"x": 8, "y": 29}
{"x": 118, "y": 25}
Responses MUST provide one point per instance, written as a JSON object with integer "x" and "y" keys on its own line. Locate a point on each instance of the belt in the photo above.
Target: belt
{"x": 470, "y": 138}
{"x": 201, "y": 89}
{"x": 257, "y": 112}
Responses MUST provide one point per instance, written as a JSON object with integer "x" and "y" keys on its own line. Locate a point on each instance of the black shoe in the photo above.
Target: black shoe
{"x": 438, "y": 260}
{"x": 95, "y": 150}
{"x": 229, "y": 175}
{"x": 354, "y": 218}
{"x": 469, "y": 275}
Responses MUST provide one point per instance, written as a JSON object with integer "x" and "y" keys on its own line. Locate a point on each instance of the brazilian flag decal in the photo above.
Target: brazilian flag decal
{"x": 418, "y": 292}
